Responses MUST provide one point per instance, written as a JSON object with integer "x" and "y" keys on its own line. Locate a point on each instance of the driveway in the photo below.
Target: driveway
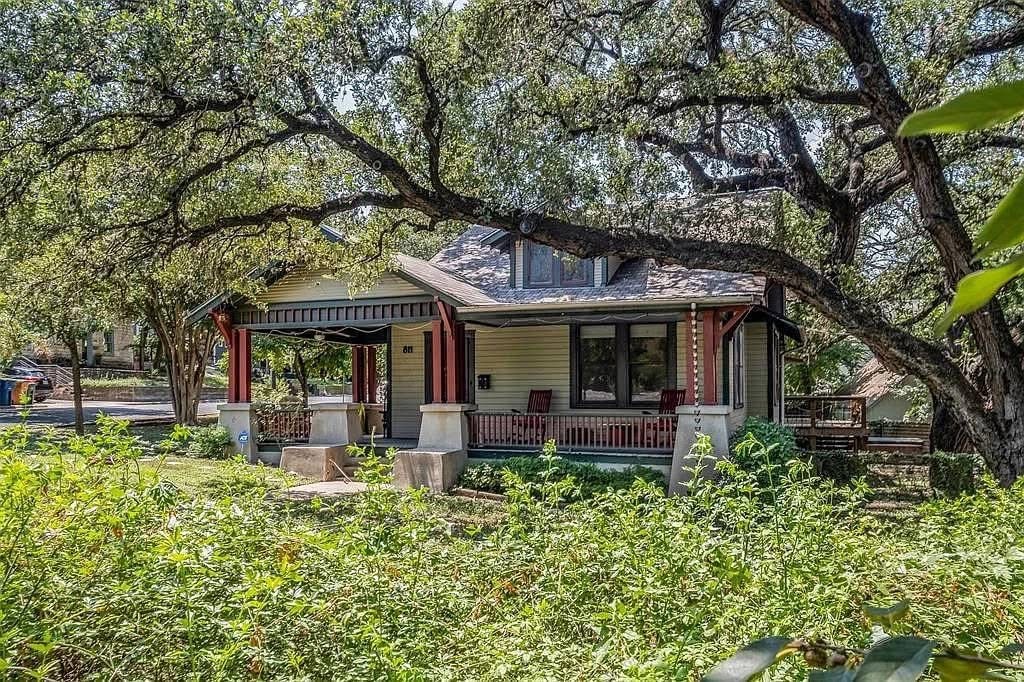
{"x": 58, "y": 412}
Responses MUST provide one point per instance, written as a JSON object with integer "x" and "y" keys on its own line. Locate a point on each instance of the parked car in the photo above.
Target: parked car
{"x": 43, "y": 386}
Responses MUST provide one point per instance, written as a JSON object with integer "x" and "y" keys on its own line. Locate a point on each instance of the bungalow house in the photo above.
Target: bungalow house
{"x": 497, "y": 345}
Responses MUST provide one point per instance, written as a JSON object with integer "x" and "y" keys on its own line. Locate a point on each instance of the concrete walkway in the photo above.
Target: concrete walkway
{"x": 323, "y": 489}
{"x": 62, "y": 412}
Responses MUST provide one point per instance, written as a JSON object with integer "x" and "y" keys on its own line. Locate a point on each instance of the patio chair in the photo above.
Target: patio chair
{"x": 671, "y": 398}
{"x": 529, "y": 428}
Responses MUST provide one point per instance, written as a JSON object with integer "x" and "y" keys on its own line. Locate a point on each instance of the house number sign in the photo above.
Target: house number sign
{"x": 406, "y": 349}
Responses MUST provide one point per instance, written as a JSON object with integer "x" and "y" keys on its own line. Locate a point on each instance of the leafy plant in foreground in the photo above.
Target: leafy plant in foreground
{"x": 899, "y": 658}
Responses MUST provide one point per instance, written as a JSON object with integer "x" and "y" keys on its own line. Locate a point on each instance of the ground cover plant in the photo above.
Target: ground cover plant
{"x": 111, "y": 571}
{"x": 587, "y": 479}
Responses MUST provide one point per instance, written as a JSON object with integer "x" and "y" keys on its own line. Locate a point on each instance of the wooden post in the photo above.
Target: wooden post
{"x": 437, "y": 351}
{"x": 358, "y": 375}
{"x": 243, "y": 343}
{"x": 711, "y": 339}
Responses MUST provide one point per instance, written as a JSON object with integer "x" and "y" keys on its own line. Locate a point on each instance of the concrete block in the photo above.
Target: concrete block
{"x": 444, "y": 427}
{"x": 436, "y": 470}
{"x": 335, "y": 423}
{"x": 320, "y": 462}
{"x": 240, "y": 421}
{"x": 712, "y": 420}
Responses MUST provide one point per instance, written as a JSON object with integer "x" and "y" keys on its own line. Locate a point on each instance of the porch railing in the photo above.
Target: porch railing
{"x": 828, "y": 422}
{"x": 276, "y": 424}
{"x": 651, "y": 433}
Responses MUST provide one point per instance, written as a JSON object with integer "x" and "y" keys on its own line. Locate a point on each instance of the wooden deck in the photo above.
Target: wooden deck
{"x": 837, "y": 422}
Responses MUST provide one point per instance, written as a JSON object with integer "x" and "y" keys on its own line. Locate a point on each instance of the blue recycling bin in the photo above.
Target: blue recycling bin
{"x": 6, "y": 387}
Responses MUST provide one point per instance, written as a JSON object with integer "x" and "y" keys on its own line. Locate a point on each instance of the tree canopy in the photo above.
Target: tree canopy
{"x": 591, "y": 125}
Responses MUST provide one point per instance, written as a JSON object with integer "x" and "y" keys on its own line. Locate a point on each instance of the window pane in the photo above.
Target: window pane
{"x": 597, "y": 363}
{"x": 541, "y": 264}
{"x": 648, "y": 362}
{"x": 574, "y": 271}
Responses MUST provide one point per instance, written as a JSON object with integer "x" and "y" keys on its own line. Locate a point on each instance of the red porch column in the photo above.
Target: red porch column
{"x": 242, "y": 350}
{"x": 712, "y": 330}
{"x": 449, "y": 356}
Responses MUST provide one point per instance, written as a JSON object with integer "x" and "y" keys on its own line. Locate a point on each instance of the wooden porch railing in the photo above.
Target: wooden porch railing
{"x": 651, "y": 433}
{"x": 282, "y": 424}
{"x": 828, "y": 422}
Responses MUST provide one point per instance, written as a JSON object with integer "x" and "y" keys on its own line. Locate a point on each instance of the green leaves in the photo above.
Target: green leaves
{"x": 975, "y": 110}
{"x": 888, "y": 615}
{"x": 900, "y": 659}
{"x": 978, "y": 288}
{"x": 1004, "y": 229}
{"x": 751, "y": 660}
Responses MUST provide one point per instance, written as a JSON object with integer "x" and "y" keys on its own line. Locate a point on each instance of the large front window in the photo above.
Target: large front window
{"x": 622, "y": 365}
{"x": 546, "y": 267}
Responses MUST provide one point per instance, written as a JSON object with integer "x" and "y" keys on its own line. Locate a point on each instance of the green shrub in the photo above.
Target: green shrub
{"x": 953, "y": 474}
{"x": 111, "y": 573}
{"x": 587, "y": 479}
{"x": 841, "y": 467}
{"x": 204, "y": 442}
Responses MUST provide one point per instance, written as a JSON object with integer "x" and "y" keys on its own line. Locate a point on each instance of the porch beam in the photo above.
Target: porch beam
{"x": 738, "y": 315}
{"x": 712, "y": 337}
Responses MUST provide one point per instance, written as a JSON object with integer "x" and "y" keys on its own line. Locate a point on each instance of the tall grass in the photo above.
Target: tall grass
{"x": 110, "y": 573}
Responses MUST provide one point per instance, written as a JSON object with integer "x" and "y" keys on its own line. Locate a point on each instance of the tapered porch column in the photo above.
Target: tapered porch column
{"x": 239, "y": 343}
{"x": 448, "y": 360}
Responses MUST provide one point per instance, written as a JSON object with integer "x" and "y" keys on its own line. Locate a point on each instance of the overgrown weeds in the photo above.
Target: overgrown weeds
{"x": 108, "y": 572}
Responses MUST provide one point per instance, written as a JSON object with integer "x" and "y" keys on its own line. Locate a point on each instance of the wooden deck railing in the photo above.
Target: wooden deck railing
{"x": 282, "y": 424}
{"x": 651, "y": 433}
{"x": 828, "y": 421}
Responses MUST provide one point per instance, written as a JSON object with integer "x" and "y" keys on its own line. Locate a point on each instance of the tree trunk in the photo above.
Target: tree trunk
{"x": 948, "y": 433}
{"x": 301, "y": 375}
{"x": 76, "y": 384}
{"x": 186, "y": 350}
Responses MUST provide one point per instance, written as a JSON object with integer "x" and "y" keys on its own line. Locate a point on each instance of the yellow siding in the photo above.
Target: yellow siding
{"x": 757, "y": 369}
{"x": 683, "y": 355}
{"x": 406, "y": 380}
{"x": 321, "y": 285}
{"x": 520, "y": 359}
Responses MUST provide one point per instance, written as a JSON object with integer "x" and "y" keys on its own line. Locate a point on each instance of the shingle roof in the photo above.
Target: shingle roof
{"x": 452, "y": 284}
{"x": 487, "y": 267}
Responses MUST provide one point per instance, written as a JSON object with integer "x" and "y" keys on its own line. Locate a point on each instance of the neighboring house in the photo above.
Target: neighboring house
{"x": 889, "y": 396}
{"x": 112, "y": 348}
{"x": 493, "y": 317}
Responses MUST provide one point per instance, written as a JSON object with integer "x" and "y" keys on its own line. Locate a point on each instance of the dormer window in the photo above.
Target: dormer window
{"x": 547, "y": 268}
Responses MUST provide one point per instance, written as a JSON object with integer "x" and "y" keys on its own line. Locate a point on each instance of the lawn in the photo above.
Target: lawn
{"x": 189, "y": 569}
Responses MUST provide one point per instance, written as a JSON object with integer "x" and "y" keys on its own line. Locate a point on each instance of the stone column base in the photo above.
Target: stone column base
{"x": 444, "y": 427}
{"x": 319, "y": 462}
{"x": 434, "y": 470}
{"x": 713, "y": 423}
{"x": 335, "y": 423}
{"x": 240, "y": 420}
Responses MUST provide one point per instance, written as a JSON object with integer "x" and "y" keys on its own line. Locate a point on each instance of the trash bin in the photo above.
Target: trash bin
{"x": 6, "y": 385}
{"x": 22, "y": 392}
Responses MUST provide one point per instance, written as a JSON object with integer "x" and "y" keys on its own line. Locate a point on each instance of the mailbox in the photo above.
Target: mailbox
{"x": 483, "y": 381}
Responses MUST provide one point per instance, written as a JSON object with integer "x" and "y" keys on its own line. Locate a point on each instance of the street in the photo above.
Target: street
{"x": 58, "y": 412}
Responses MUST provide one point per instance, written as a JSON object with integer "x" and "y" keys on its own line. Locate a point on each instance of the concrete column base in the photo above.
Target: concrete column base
{"x": 444, "y": 427}
{"x": 319, "y": 462}
{"x": 335, "y": 423}
{"x": 713, "y": 423}
{"x": 440, "y": 455}
{"x": 373, "y": 420}
{"x": 437, "y": 471}
{"x": 240, "y": 421}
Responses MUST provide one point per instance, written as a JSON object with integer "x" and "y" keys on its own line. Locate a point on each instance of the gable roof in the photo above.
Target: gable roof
{"x": 480, "y": 256}
{"x": 873, "y": 381}
{"x": 473, "y": 272}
